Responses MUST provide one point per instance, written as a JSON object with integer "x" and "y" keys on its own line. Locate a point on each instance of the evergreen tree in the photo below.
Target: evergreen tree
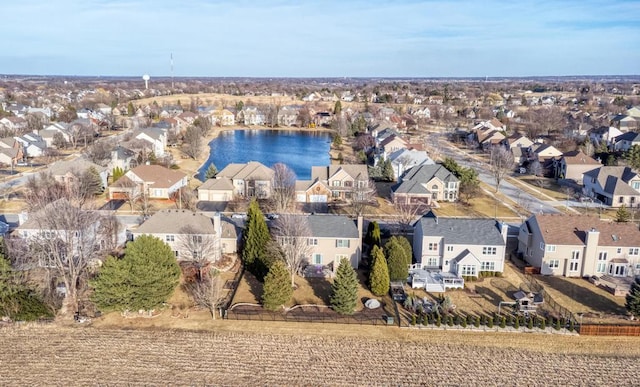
{"x": 633, "y": 299}
{"x": 632, "y": 157}
{"x": 144, "y": 279}
{"x": 623, "y": 215}
{"x": 379, "y": 275}
{"x": 131, "y": 110}
{"x": 277, "y": 286}
{"x": 396, "y": 261}
{"x": 337, "y": 141}
{"x": 337, "y": 108}
{"x": 9, "y": 288}
{"x": 344, "y": 290}
{"x": 255, "y": 239}
{"x": 387, "y": 171}
{"x": 117, "y": 173}
{"x": 406, "y": 248}
{"x": 91, "y": 182}
{"x": 373, "y": 234}
{"x": 211, "y": 172}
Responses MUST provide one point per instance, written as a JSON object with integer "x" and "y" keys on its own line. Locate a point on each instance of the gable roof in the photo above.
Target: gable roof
{"x": 251, "y": 170}
{"x": 217, "y": 184}
{"x": 629, "y": 136}
{"x": 332, "y": 226}
{"x": 356, "y": 171}
{"x": 160, "y": 176}
{"x": 79, "y": 164}
{"x": 462, "y": 231}
{"x": 614, "y": 179}
{"x": 578, "y": 157}
{"x": 174, "y": 221}
{"x": 562, "y": 229}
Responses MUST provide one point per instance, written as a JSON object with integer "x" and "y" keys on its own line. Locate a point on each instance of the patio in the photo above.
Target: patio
{"x": 434, "y": 281}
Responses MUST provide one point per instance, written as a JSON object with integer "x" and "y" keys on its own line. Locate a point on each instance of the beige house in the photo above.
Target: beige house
{"x": 155, "y": 181}
{"x": 252, "y": 179}
{"x": 216, "y": 190}
{"x": 612, "y": 185}
{"x": 572, "y": 165}
{"x": 580, "y": 246}
{"x": 312, "y": 191}
{"x": 192, "y": 235}
{"x": 341, "y": 179}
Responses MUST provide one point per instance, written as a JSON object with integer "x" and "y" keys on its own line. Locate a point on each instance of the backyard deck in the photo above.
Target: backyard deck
{"x": 434, "y": 281}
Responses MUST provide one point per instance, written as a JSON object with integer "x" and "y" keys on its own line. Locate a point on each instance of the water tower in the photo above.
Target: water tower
{"x": 146, "y": 78}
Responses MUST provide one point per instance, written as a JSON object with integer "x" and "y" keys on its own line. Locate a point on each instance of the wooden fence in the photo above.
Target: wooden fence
{"x": 609, "y": 330}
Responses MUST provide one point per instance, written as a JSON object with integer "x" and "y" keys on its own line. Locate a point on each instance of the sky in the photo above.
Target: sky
{"x": 323, "y": 38}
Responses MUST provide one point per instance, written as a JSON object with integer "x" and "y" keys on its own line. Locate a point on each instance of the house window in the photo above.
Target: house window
{"x": 197, "y": 238}
{"x": 312, "y": 241}
{"x": 335, "y": 183}
{"x": 157, "y": 193}
{"x": 434, "y": 187}
{"x": 432, "y": 261}
{"x": 335, "y": 194}
{"x": 342, "y": 242}
{"x": 449, "y": 248}
{"x": 348, "y": 184}
{"x": 554, "y": 263}
{"x": 489, "y": 250}
{"x": 633, "y": 251}
{"x": 575, "y": 261}
{"x": 317, "y": 259}
{"x": 619, "y": 250}
{"x": 432, "y": 246}
{"x": 551, "y": 248}
{"x": 541, "y": 245}
{"x": 488, "y": 266}
{"x": 468, "y": 270}
{"x": 621, "y": 199}
{"x": 176, "y": 253}
{"x": 602, "y": 262}
{"x": 169, "y": 238}
{"x": 636, "y": 185}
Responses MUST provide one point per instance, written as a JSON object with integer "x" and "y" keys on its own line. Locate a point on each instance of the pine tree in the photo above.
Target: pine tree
{"x": 632, "y": 157}
{"x": 633, "y": 299}
{"x": 144, "y": 279}
{"x": 131, "y": 110}
{"x": 373, "y": 234}
{"x": 344, "y": 290}
{"x": 9, "y": 288}
{"x": 337, "y": 108}
{"x": 255, "y": 239}
{"x": 117, "y": 173}
{"x": 623, "y": 215}
{"x": 92, "y": 182}
{"x": 387, "y": 171}
{"x": 277, "y": 286}
{"x": 379, "y": 275}
{"x": 396, "y": 261}
{"x": 406, "y": 248}
{"x": 211, "y": 172}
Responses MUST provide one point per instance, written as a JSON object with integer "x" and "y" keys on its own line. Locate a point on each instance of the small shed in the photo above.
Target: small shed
{"x": 527, "y": 302}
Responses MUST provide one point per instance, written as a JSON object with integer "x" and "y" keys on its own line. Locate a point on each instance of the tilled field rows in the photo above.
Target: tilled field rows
{"x": 67, "y": 356}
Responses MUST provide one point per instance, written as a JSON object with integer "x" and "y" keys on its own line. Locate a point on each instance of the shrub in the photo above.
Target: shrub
{"x": 503, "y": 322}
{"x": 463, "y": 323}
{"x": 571, "y": 326}
{"x": 543, "y": 324}
{"x": 476, "y": 322}
{"x": 438, "y": 321}
{"x": 557, "y": 325}
{"x": 530, "y": 323}
{"x": 490, "y": 323}
{"x": 413, "y": 319}
{"x": 450, "y": 321}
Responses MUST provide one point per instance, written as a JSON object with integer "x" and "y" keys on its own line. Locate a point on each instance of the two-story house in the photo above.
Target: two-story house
{"x": 192, "y": 235}
{"x": 155, "y": 137}
{"x": 426, "y": 184}
{"x": 343, "y": 180}
{"x": 404, "y": 159}
{"x": 462, "y": 246}
{"x": 11, "y": 151}
{"x": 625, "y": 141}
{"x": 580, "y": 246}
{"x": 252, "y": 179}
{"x": 572, "y": 165}
{"x": 67, "y": 171}
{"x": 613, "y": 186}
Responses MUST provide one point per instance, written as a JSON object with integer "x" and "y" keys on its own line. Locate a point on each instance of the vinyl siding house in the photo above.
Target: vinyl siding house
{"x": 216, "y": 190}
{"x": 332, "y": 238}
{"x": 65, "y": 171}
{"x": 404, "y": 159}
{"x": 192, "y": 235}
{"x": 312, "y": 191}
{"x": 252, "y": 179}
{"x": 155, "y": 181}
{"x": 612, "y": 185}
{"x": 580, "y": 246}
{"x": 341, "y": 179}
{"x": 156, "y": 137}
{"x": 461, "y": 246}
{"x": 426, "y": 184}
{"x": 625, "y": 141}
{"x": 572, "y": 165}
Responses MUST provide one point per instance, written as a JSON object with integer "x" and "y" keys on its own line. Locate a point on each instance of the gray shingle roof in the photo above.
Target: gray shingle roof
{"x": 462, "y": 231}
{"x": 173, "y": 221}
{"x": 614, "y": 179}
{"x": 414, "y": 179}
{"x": 332, "y": 226}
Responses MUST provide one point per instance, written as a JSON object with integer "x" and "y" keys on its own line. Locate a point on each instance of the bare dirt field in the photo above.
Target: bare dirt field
{"x": 309, "y": 354}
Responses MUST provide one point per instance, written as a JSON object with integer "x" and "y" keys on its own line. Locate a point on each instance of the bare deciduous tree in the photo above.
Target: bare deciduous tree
{"x": 193, "y": 140}
{"x": 292, "y": 234}
{"x": 100, "y": 152}
{"x": 207, "y": 292}
{"x": 501, "y": 163}
{"x": 363, "y": 195}
{"x": 406, "y": 214}
{"x": 198, "y": 248}
{"x": 283, "y": 188}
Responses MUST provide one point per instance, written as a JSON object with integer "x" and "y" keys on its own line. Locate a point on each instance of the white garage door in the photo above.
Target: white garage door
{"x": 318, "y": 198}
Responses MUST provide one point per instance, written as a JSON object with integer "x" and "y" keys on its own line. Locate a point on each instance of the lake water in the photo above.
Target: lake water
{"x": 298, "y": 150}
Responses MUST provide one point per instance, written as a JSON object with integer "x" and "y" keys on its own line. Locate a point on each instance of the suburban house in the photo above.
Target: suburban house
{"x": 49, "y": 133}
{"x": 404, "y": 159}
{"x": 32, "y": 144}
{"x": 154, "y": 181}
{"x": 11, "y": 151}
{"x": 223, "y": 117}
{"x": 517, "y": 141}
{"x": 625, "y": 141}
{"x": 580, "y": 246}
{"x": 66, "y": 171}
{"x": 332, "y": 238}
{"x": 604, "y": 135}
{"x": 613, "y": 186}
{"x": 14, "y": 123}
{"x": 343, "y": 180}
{"x": 251, "y": 115}
{"x": 458, "y": 247}
{"x": 123, "y": 158}
{"x": 252, "y": 179}
{"x": 391, "y": 144}
{"x": 288, "y": 116}
{"x": 156, "y": 137}
{"x": 216, "y": 190}
{"x": 192, "y": 235}
{"x": 626, "y": 122}
{"x": 426, "y": 184}
{"x": 572, "y": 165}
{"x": 543, "y": 153}
{"x": 312, "y": 191}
